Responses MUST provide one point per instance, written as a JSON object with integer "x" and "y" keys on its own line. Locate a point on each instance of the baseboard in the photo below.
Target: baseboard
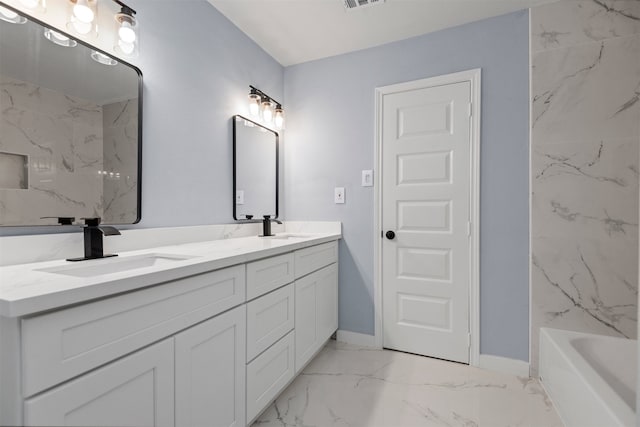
{"x": 504, "y": 365}
{"x": 355, "y": 338}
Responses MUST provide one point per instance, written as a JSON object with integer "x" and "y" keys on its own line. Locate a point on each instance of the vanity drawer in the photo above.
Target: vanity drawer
{"x": 268, "y": 274}
{"x": 268, "y": 374}
{"x": 62, "y": 344}
{"x": 315, "y": 257}
{"x": 269, "y": 318}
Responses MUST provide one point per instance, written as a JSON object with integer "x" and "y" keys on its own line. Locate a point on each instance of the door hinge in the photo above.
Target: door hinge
{"x": 470, "y": 109}
{"x": 468, "y": 228}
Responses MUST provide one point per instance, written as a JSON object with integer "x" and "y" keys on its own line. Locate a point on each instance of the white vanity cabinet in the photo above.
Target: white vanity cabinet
{"x": 210, "y": 349}
{"x": 289, "y": 320}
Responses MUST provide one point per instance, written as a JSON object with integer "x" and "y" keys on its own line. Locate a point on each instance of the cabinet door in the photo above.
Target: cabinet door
{"x": 210, "y": 372}
{"x": 327, "y": 302}
{"x": 134, "y": 391}
{"x": 306, "y": 319}
{"x": 316, "y": 311}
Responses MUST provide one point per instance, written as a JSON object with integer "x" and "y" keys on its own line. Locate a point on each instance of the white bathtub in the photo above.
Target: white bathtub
{"x": 591, "y": 379}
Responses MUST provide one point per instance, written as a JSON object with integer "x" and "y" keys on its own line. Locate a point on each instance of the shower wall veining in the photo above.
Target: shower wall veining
{"x": 84, "y": 165}
{"x": 64, "y": 154}
{"x": 120, "y": 147}
{"x": 585, "y": 133}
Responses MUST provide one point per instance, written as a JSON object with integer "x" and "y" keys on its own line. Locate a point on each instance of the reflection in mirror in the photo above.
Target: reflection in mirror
{"x": 255, "y": 170}
{"x": 69, "y": 130}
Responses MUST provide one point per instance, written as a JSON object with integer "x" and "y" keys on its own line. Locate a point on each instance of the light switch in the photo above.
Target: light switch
{"x": 339, "y": 195}
{"x": 240, "y": 197}
{"x": 367, "y": 178}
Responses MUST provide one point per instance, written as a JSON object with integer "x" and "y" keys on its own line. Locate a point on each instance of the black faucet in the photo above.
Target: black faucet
{"x": 266, "y": 225}
{"x": 93, "y": 233}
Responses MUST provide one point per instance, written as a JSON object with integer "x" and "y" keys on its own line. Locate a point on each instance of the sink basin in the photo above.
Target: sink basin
{"x": 287, "y": 236}
{"x": 103, "y": 266}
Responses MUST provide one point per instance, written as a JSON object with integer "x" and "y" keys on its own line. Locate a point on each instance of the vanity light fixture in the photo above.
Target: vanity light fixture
{"x": 82, "y": 16}
{"x": 10, "y": 16}
{"x": 127, "y": 34}
{"x": 59, "y": 38}
{"x": 261, "y": 104}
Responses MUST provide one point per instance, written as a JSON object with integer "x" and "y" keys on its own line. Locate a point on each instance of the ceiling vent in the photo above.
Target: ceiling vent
{"x": 357, "y": 4}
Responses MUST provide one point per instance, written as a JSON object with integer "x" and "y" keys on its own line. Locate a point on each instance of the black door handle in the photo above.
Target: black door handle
{"x": 390, "y": 235}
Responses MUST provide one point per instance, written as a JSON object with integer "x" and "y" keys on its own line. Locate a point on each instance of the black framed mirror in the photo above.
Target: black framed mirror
{"x": 70, "y": 129}
{"x": 255, "y": 170}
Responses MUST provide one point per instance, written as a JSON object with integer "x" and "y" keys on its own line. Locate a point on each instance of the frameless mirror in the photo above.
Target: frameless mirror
{"x": 255, "y": 170}
{"x": 70, "y": 129}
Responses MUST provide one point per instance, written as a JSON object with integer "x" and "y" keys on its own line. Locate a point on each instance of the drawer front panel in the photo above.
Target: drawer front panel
{"x": 60, "y": 345}
{"x": 269, "y": 318}
{"x": 268, "y": 374}
{"x": 268, "y": 274}
{"x": 315, "y": 257}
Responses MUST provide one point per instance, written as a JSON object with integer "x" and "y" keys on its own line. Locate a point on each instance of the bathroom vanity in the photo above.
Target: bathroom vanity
{"x": 204, "y": 333}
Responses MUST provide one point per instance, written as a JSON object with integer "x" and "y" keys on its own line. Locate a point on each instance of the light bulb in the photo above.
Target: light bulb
{"x": 102, "y": 58}
{"x": 254, "y": 103}
{"x": 278, "y": 118}
{"x": 82, "y": 12}
{"x": 127, "y": 39}
{"x": 267, "y": 111}
{"x": 126, "y": 33}
{"x": 30, "y": 4}
{"x": 10, "y": 16}
{"x": 58, "y": 38}
{"x": 126, "y": 48}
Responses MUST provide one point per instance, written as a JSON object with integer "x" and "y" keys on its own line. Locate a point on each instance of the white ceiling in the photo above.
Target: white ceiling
{"x": 295, "y": 31}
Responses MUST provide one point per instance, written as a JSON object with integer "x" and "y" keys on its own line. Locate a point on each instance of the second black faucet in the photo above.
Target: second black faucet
{"x": 266, "y": 225}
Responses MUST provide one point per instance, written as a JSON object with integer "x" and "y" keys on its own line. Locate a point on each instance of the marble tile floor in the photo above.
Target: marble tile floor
{"x": 347, "y": 385}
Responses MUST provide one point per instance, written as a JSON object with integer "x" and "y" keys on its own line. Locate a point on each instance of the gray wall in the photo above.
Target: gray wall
{"x": 197, "y": 69}
{"x": 330, "y": 139}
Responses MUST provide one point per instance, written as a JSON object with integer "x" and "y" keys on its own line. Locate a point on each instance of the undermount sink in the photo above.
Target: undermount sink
{"x": 290, "y": 236}
{"x": 99, "y": 267}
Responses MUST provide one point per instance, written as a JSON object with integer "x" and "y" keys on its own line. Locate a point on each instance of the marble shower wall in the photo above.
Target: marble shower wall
{"x": 585, "y": 86}
{"x": 120, "y": 128}
{"x": 64, "y": 154}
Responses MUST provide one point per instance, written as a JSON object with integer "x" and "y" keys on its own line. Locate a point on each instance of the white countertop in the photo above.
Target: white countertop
{"x": 25, "y": 289}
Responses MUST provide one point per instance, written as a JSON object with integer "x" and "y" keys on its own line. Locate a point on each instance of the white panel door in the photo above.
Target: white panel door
{"x": 134, "y": 391}
{"x": 210, "y": 372}
{"x": 426, "y": 163}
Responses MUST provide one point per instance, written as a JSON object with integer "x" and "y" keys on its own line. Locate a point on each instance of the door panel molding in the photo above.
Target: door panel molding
{"x": 474, "y": 78}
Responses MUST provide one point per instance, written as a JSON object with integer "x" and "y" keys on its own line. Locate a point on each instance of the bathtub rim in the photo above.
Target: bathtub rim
{"x": 615, "y": 405}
